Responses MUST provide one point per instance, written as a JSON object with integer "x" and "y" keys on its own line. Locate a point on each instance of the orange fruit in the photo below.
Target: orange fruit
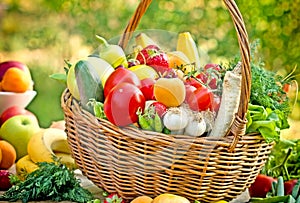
{"x": 179, "y": 60}
{"x": 15, "y": 80}
{"x": 9, "y": 154}
{"x": 142, "y": 199}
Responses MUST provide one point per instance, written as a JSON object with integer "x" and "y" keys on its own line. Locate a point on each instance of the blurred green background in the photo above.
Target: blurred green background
{"x": 43, "y": 33}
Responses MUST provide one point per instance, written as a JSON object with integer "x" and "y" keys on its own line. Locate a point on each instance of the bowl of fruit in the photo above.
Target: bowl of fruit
{"x": 16, "y": 85}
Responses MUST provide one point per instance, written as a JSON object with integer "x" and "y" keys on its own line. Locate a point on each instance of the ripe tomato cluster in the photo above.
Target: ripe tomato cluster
{"x": 126, "y": 94}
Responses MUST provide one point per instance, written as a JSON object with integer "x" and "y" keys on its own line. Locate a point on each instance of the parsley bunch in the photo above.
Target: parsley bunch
{"x": 267, "y": 89}
{"x": 266, "y": 86}
{"x": 52, "y": 181}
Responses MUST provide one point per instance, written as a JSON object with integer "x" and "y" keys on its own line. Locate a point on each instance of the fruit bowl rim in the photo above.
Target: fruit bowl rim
{"x": 28, "y": 92}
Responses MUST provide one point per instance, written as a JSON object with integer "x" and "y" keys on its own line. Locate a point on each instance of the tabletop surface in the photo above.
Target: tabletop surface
{"x": 97, "y": 192}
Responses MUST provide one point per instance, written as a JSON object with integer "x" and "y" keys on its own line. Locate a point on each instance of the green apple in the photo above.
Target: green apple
{"x": 18, "y": 130}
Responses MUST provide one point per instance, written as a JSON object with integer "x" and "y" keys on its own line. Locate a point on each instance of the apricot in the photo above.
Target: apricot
{"x": 169, "y": 91}
{"x": 16, "y": 80}
{"x": 142, "y": 199}
{"x": 9, "y": 154}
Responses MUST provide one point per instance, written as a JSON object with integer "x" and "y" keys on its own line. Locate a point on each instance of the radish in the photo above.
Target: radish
{"x": 5, "y": 180}
{"x": 175, "y": 119}
{"x": 229, "y": 102}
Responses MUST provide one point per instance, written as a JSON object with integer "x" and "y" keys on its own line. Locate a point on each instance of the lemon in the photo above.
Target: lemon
{"x": 144, "y": 71}
{"x": 72, "y": 84}
{"x": 103, "y": 68}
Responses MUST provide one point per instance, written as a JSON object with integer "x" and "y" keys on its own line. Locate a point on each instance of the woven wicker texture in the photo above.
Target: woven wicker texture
{"x": 133, "y": 162}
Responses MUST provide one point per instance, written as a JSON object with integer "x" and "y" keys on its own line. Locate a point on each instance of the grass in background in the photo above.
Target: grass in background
{"x": 46, "y": 105}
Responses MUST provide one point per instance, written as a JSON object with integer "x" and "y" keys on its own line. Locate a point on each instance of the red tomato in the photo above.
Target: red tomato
{"x": 189, "y": 89}
{"x": 122, "y": 103}
{"x": 289, "y": 185}
{"x": 216, "y": 103}
{"x": 286, "y": 87}
{"x": 193, "y": 81}
{"x": 261, "y": 186}
{"x": 118, "y": 76}
{"x": 210, "y": 75}
{"x": 147, "y": 86}
{"x": 160, "y": 108}
{"x": 201, "y": 99}
{"x": 213, "y": 66}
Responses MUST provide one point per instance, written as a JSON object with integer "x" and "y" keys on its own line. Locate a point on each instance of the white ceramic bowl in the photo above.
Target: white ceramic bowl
{"x": 8, "y": 99}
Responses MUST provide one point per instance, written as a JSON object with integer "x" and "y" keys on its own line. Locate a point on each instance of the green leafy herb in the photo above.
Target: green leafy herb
{"x": 98, "y": 109}
{"x": 284, "y": 160}
{"x": 52, "y": 181}
{"x": 267, "y": 89}
{"x": 266, "y": 86}
{"x": 62, "y": 77}
{"x": 266, "y": 121}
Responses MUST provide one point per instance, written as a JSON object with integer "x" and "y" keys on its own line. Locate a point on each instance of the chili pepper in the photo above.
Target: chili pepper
{"x": 158, "y": 125}
{"x": 144, "y": 122}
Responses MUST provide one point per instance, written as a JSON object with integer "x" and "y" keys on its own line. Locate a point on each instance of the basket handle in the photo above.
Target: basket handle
{"x": 239, "y": 125}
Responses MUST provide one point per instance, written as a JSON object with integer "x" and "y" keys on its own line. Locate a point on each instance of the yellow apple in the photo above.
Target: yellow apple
{"x": 144, "y": 71}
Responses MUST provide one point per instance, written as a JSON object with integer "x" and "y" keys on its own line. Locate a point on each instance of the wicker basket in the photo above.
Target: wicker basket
{"x": 134, "y": 162}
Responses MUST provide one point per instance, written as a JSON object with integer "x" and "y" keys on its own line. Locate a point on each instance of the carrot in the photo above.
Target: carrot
{"x": 229, "y": 102}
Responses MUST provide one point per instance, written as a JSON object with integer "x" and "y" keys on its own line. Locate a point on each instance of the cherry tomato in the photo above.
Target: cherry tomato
{"x": 189, "y": 89}
{"x": 213, "y": 66}
{"x": 147, "y": 86}
{"x": 286, "y": 87}
{"x": 201, "y": 99}
{"x": 160, "y": 108}
{"x": 210, "y": 75}
{"x": 216, "y": 103}
{"x": 193, "y": 81}
{"x": 118, "y": 76}
{"x": 122, "y": 103}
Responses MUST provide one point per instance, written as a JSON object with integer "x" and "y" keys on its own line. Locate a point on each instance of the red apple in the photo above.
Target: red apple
{"x": 4, "y": 66}
{"x": 14, "y": 111}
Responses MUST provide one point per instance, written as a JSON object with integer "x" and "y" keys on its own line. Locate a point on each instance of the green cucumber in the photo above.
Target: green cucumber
{"x": 296, "y": 190}
{"x": 276, "y": 199}
{"x": 89, "y": 84}
{"x": 280, "y": 186}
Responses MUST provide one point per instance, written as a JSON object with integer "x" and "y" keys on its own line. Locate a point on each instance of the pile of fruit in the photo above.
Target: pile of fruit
{"x": 169, "y": 91}
{"x": 156, "y": 90}
{"x": 22, "y": 141}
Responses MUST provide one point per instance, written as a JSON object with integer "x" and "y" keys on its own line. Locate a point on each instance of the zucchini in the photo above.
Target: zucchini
{"x": 276, "y": 199}
{"x": 89, "y": 84}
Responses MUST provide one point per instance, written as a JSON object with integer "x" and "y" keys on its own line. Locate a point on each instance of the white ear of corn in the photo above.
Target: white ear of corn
{"x": 229, "y": 103}
{"x": 187, "y": 45}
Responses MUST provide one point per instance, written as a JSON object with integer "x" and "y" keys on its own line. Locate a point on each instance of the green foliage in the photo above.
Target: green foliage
{"x": 66, "y": 29}
{"x": 51, "y": 181}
